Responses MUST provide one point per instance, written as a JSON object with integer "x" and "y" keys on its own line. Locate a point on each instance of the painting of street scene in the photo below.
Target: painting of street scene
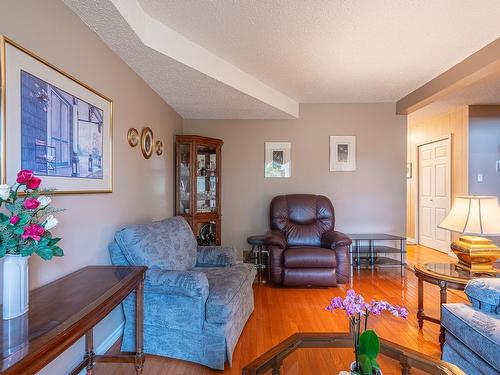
{"x": 61, "y": 135}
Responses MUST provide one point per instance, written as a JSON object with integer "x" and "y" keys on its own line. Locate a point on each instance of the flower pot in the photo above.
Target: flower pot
{"x": 15, "y": 286}
{"x": 352, "y": 372}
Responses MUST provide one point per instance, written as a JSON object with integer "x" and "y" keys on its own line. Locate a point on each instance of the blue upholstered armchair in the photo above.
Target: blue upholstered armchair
{"x": 473, "y": 332}
{"x": 197, "y": 299}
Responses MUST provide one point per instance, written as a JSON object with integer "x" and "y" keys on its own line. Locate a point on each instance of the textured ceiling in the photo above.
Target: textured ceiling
{"x": 192, "y": 94}
{"x": 336, "y": 50}
{"x": 289, "y": 51}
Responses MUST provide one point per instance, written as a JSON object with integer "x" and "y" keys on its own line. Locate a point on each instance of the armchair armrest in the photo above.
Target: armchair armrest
{"x": 192, "y": 284}
{"x": 215, "y": 256}
{"x": 333, "y": 239}
{"x": 276, "y": 238}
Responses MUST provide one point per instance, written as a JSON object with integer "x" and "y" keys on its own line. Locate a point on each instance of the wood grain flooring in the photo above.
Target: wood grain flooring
{"x": 279, "y": 312}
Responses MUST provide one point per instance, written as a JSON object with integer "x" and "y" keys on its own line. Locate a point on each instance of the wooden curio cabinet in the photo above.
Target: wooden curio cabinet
{"x": 197, "y": 186}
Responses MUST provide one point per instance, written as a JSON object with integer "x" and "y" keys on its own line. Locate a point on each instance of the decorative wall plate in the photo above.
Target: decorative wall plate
{"x": 147, "y": 142}
{"x": 159, "y": 147}
{"x": 133, "y": 137}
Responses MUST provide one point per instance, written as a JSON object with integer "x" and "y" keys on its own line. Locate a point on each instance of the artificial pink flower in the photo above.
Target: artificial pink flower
{"x": 14, "y": 220}
{"x": 31, "y": 204}
{"x": 24, "y": 176}
{"x": 33, "y": 231}
{"x": 33, "y": 183}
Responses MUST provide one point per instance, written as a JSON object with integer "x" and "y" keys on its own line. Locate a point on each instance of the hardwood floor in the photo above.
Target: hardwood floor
{"x": 279, "y": 312}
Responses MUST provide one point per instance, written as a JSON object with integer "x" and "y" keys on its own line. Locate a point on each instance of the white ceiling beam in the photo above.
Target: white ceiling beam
{"x": 163, "y": 39}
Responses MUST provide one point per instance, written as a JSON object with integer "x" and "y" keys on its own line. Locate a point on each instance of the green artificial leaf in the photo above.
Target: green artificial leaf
{"x": 18, "y": 230}
{"x": 57, "y": 251}
{"x": 24, "y": 219}
{"x": 26, "y": 251}
{"x": 365, "y": 364}
{"x": 54, "y": 241}
{"x": 369, "y": 344}
{"x": 11, "y": 207}
{"x": 44, "y": 252}
{"x": 3, "y": 217}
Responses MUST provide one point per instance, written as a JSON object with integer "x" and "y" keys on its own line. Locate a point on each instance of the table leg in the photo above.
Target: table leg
{"x": 442, "y": 300}
{"x": 89, "y": 351}
{"x": 420, "y": 312}
{"x": 139, "y": 333}
{"x": 372, "y": 257}
{"x": 358, "y": 259}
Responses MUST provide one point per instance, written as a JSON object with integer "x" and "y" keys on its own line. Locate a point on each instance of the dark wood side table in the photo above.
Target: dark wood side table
{"x": 446, "y": 276}
{"x": 66, "y": 309}
{"x": 258, "y": 243}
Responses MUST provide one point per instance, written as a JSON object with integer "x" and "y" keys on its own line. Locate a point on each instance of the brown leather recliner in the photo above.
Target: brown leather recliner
{"x": 304, "y": 249}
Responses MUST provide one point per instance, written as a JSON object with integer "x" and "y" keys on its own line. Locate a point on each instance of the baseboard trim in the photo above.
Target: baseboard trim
{"x": 108, "y": 342}
{"x": 411, "y": 241}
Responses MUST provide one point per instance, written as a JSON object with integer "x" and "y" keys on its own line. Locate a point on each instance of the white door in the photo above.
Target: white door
{"x": 434, "y": 186}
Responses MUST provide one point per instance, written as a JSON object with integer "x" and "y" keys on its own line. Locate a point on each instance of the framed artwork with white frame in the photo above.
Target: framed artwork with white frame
{"x": 277, "y": 160}
{"x": 342, "y": 153}
{"x": 53, "y": 124}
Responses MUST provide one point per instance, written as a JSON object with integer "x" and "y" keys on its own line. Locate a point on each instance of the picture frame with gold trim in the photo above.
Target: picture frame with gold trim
{"x": 53, "y": 124}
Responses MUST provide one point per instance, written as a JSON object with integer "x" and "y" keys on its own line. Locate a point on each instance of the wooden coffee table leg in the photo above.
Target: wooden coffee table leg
{"x": 442, "y": 300}
{"x": 139, "y": 333}
{"x": 420, "y": 312}
{"x": 89, "y": 351}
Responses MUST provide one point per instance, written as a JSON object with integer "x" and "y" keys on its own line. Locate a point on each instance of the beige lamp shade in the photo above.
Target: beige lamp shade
{"x": 476, "y": 215}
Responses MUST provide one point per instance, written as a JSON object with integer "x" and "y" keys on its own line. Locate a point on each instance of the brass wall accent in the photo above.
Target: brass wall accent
{"x": 147, "y": 142}
{"x": 133, "y": 137}
{"x": 159, "y": 147}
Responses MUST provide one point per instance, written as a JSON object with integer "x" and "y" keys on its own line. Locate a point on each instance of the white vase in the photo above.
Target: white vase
{"x": 15, "y": 286}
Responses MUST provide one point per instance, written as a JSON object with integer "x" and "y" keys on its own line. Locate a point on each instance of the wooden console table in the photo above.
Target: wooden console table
{"x": 65, "y": 310}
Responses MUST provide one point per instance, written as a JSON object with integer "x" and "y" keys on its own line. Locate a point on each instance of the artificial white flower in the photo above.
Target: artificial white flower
{"x": 4, "y": 191}
{"x": 50, "y": 222}
{"x": 44, "y": 201}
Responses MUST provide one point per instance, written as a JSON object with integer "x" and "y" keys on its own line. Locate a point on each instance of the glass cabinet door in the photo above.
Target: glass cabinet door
{"x": 206, "y": 179}
{"x": 184, "y": 178}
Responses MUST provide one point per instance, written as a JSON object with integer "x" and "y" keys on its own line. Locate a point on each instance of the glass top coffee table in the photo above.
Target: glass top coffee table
{"x": 446, "y": 276}
{"x": 330, "y": 353}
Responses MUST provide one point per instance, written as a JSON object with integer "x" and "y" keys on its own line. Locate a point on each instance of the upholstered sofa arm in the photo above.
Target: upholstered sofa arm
{"x": 275, "y": 238}
{"x": 484, "y": 294}
{"x": 215, "y": 256}
{"x": 189, "y": 283}
{"x": 333, "y": 239}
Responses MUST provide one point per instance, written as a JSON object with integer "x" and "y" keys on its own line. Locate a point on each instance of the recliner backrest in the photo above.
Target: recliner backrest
{"x": 302, "y": 218}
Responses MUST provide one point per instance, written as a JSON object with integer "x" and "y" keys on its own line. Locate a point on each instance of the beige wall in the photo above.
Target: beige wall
{"x": 421, "y": 130}
{"x": 371, "y": 199}
{"x": 143, "y": 190}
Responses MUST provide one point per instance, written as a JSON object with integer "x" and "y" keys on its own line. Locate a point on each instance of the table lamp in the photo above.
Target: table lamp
{"x": 474, "y": 216}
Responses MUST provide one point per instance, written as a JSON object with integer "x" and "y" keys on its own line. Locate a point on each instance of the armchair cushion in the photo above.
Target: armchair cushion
{"x": 309, "y": 257}
{"x": 484, "y": 294}
{"x": 168, "y": 244}
{"x": 225, "y": 285}
{"x": 215, "y": 256}
{"x": 276, "y": 238}
{"x": 333, "y": 239}
{"x": 479, "y": 330}
{"x": 183, "y": 283}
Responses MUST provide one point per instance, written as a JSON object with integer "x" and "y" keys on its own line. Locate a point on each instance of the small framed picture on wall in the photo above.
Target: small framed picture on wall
{"x": 342, "y": 153}
{"x": 277, "y": 160}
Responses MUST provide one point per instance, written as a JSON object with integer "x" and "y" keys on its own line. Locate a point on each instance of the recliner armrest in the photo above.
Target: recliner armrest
{"x": 185, "y": 283}
{"x": 275, "y": 238}
{"x": 215, "y": 256}
{"x": 333, "y": 239}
